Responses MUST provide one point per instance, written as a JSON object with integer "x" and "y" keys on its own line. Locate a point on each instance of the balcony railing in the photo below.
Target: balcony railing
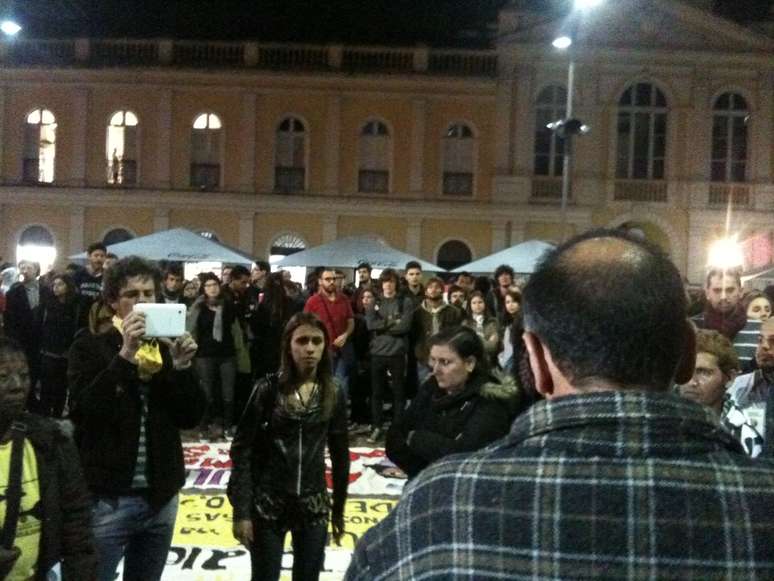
{"x": 738, "y": 194}
{"x": 209, "y": 54}
{"x": 122, "y": 172}
{"x": 373, "y": 181}
{"x": 124, "y": 52}
{"x": 546, "y": 189}
{"x": 458, "y": 184}
{"x": 640, "y": 191}
{"x": 289, "y": 180}
{"x": 247, "y": 55}
{"x": 205, "y": 176}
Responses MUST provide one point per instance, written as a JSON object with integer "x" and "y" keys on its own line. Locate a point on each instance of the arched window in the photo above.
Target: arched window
{"x": 206, "y": 152}
{"x": 729, "y": 138}
{"x": 374, "y": 155}
{"x": 642, "y": 133}
{"x": 36, "y": 243}
{"x": 285, "y": 245}
{"x": 39, "y": 146}
{"x": 290, "y": 162}
{"x": 549, "y": 147}
{"x": 452, "y": 254}
{"x": 458, "y": 165}
{"x": 117, "y": 235}
{"x": 121, "y": 151}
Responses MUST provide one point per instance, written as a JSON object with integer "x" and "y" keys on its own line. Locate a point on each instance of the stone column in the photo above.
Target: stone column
{"x": 762, "y": 126}
{"x": 77, "y": 220}
{"x": 247, "y": 144}
{"x": 518, "y": 232}
{"x": 164, "y": 144}
{"x": 418, "y": 126}
{"x": 161, "y": 219}
{"x": 414, "y": 237}
{"x": 499, "y": 229}
{"x": 247, "y": 233}
{"x": 504, "y": 134}
{"x": 329, "y": 228}
{"x": 3, "y": 92}
{"x": 523, "y": 129}
{"x": 80, "y": 127}
{"x": 333, "y": 145}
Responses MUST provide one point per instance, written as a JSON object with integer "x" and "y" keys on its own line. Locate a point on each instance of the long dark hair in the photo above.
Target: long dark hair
{"x": 465, "y": 342}
{"x": 69, "y": 283}
{"x": 289, "y": 378}
{"x": 276, "y": 297}
{"x": 469, "y": 310}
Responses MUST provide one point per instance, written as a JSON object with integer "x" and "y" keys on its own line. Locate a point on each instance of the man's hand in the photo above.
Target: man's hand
{"x": 340, "y": 341}
{"x": 337, "y": 524}
{"x": 243, "y": 531}
{"x": 134, "y": 330}
{"x": 181, "y": 349}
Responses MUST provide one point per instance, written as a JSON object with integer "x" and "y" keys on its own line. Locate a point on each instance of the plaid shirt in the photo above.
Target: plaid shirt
{"x": 609, "y": 485}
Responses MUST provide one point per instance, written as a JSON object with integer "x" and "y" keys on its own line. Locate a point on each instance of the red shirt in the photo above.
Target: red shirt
{"x": 335, "y": 314}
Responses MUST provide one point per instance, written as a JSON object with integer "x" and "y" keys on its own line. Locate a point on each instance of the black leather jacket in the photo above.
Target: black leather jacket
{"x": 281, "y": 452}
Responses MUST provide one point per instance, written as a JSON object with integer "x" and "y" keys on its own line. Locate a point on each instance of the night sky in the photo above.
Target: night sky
{"x": 402, "y": 22}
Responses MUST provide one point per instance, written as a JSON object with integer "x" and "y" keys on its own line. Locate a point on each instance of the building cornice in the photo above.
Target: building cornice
{"x": 403, "y": 209}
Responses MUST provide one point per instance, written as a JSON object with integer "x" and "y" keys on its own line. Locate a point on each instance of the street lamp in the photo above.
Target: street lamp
{"x": 569, "y": 127}
{"x": 10, "y": 27}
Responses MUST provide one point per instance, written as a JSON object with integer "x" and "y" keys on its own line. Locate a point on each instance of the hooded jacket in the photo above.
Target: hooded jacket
{"x": 437, "y": 424}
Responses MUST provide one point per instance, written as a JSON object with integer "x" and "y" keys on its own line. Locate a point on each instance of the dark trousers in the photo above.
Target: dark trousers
{"x": 396, "y": 365}
{"x": 53, "y": 385}
{"x": 308, "y": 552}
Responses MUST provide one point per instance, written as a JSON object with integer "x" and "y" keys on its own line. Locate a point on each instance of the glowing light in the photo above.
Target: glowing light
{"x": 587, "y": 4}
{"x": 10, "y": 28}
{"x": 562, "y": 42}
{"x": 725, "y": 253}
{"x": 43, "y": 255}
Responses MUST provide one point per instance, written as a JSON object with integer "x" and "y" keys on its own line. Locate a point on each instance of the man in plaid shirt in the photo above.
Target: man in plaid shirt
{"x": 611, "y": 476}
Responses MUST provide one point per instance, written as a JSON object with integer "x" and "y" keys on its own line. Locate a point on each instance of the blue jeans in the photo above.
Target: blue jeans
{"x": 341, "y": 363}
{"x": 127, "y": 526}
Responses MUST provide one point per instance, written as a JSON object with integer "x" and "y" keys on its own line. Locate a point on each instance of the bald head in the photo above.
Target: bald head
{"x": 609, "y": 307}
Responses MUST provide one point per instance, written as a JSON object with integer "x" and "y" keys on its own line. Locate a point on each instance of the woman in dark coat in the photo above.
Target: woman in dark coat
{"x": 460, "y": 408}
{"x": 57, "y": 320}
{"x": 273, "y": 313}
{"x": 278, "y": 479}
{"x": 213, "y": 324}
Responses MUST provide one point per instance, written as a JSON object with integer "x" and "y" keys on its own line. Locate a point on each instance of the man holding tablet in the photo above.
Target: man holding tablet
{"x": 131, "y": 394}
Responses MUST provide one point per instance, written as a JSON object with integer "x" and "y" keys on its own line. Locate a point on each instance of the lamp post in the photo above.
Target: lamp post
{"x": 10, "y": 27}
{"x": 569, "y": 127}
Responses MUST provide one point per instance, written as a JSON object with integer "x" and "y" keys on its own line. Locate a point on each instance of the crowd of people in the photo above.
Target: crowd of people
{"x": 591, "y": 421}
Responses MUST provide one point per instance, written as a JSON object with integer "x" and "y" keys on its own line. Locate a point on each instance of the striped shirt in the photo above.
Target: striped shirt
{"x": 606, "y": 485}
{"x": 746, "y": 341}
{"x": 140, "y": 479}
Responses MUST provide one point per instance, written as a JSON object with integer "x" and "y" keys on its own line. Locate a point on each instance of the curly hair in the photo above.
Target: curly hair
{"x": 714, "y": 343}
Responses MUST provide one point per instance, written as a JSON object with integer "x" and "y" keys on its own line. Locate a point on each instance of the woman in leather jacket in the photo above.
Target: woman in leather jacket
{"x": 460, "y": 408}
{"x": 278, "y": 466}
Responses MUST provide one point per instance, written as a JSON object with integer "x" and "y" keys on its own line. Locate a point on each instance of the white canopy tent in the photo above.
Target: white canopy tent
{"x": 353, "y": 250}
{"x": 522, "y": 257}
{"x": 178, "y": 244}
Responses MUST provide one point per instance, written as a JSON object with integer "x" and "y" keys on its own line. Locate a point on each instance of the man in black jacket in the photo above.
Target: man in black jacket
{"x": 130, "y": 398}
{"x": 54, "y": 519}
{"x": 20, "y": 302}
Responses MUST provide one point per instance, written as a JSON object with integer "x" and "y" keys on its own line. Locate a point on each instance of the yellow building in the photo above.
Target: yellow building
{"x": 441, "y": 153}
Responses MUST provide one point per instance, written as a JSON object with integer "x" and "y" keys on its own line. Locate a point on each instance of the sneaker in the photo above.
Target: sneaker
{"x": 376, "y": 436}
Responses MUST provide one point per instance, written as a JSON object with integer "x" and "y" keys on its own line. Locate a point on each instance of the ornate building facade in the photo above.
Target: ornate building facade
{"x": 444, "y": 154}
